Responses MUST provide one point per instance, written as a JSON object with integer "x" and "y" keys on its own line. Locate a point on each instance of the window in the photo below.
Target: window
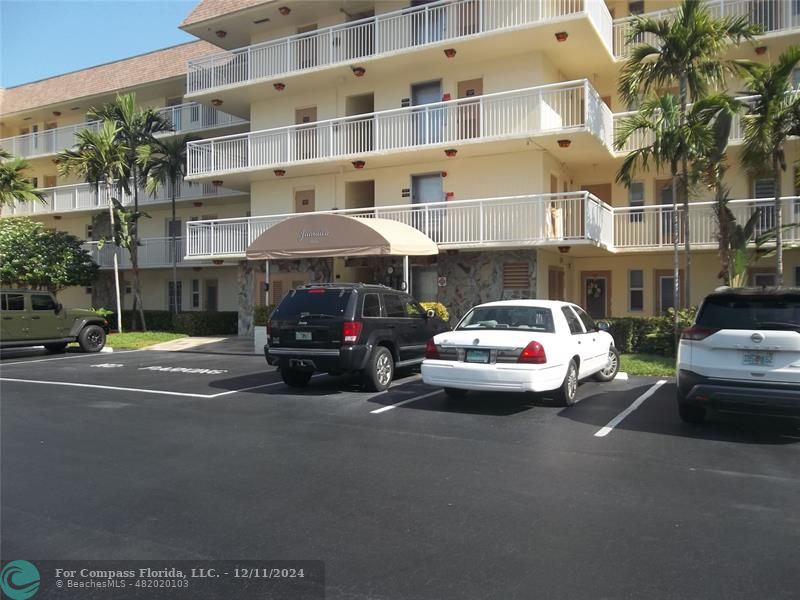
{"x": 171, "y": 299}
{"x": 797, "y": 276}
{"x": 636, "y": 7}
{"x": 88, "y": 290}
{"x": 636, "y": 199}
{"x": 516, "y": 276}
{"x": 195, "y": 293}
{"x": 126, "y": 287}
{"x": 89, "y": 232}
{"x": 411, "y": 308}
{"x": 13, "y": 302}
{"x": 736, "y": 312}
{"x": 509, "y": 317}
{"x": 394, "y": 306}
{"x": 764, "y": 279}
{"x": 371, "y": 306}
{"x": 795, "y": 73}
{"x": 764, "y": 187}
{"x": 588, "y": 322}
{"x": 312, "y": 301}
{"x": 572, "y": 320}
{"x": 42, "y": 302}
{"x": 665, "y": 293}
{"x": 635, "y": 290}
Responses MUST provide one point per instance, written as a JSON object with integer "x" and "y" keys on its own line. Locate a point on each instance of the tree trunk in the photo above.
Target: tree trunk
{"x": 134, "y": 250}
{"x": 684, "y": 92}
{"x": 778, "y": 222}
{"x": 676, "y": 264}
{"x": 724, "y": 236}
{"x": 109, "y": 188}
{"x": 174, "y": 253}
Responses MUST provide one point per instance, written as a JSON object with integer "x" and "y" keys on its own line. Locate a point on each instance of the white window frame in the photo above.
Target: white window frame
{"x": 631, "y": 288}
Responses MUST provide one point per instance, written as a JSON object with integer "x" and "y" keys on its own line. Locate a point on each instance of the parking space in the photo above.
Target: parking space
{"x": 176, "y": 454}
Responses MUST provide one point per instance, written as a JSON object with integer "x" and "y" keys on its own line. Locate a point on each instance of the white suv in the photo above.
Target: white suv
{"x": 741, "y": 355}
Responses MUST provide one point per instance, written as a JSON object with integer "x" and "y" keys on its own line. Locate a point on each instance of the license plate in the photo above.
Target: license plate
{"x": 758, "y": 359}
{"x": 477, "y": 356}
{"x": 303, "y": 336}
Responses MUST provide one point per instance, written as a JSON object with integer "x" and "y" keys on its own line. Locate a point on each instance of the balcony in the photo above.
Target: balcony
{"x": 417, "y": 31}
{"x": 185, "y": 118}
{"x": 650, "y": 227}
{"x": 85, "y": 196}
{"x": 774, "y": 17}
{"x": 504, "y": 120}
{"x": 576, "y": 218}
{"x": 153, "y": 253}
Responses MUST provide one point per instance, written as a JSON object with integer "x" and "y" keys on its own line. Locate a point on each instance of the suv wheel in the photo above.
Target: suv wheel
{"x": 692, "y": 414}
{"x": 380, "y": 370}
{"x": 566, "y": 393}
{"x": 295, "y": 378}
{"x": 92, "y": 338}
{"x": 56, "y": 348}
{"x": 612, "y": 366}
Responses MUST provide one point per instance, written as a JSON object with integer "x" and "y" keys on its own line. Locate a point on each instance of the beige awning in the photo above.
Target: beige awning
{"x": 317, "y": 235}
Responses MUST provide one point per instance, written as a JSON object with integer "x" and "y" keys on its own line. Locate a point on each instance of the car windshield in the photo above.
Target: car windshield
{"x": 764, "y": 312}
{"x": 313, "y": 303}
{"x": 524, "y": 318}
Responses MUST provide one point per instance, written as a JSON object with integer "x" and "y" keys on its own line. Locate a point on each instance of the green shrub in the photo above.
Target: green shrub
{"x": 439, "y": 308}
{"x": 261, "y": 314}
{"x": 207, "y": 323}
{"x": 649, "y": 335}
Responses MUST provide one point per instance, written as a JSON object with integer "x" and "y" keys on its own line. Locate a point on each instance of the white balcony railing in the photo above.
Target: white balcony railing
{"x": 184, "y": 118}
{"x": 389, "y": 33}
{"x": 772, "y": 16}
{"x": 508, "y": 221}
{"x": 192, "y": 116}
{"x": 85, "y": 196}
{"x": 153, "y": 252}
{"x": 506, "y": 115}
{"x": 652, "y": 226}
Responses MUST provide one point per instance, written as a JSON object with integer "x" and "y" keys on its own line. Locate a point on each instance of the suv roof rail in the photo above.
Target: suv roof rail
{"x": 343, "y": 284}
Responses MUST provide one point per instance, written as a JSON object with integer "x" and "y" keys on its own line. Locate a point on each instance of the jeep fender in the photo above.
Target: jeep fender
{"x": 382, "y": 337}
{"x": 79, "y": 324}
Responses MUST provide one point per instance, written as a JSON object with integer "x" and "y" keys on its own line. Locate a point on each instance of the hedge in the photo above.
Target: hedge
{"x": 261, "y": 314}
{"x": 190, "y": 323}
{"x": 649, "y": 335}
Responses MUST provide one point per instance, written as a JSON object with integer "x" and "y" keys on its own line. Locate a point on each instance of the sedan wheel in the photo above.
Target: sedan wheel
{"x": 612, "y": 366}
{"x": 566, "y": 393}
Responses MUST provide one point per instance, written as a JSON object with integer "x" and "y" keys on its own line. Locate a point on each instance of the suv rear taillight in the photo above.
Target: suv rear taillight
{"x": 431, "y": 351}
{"x": 350, "y": 331}
{"x": 533, "y": 353}
{"x": 695, "y": 334}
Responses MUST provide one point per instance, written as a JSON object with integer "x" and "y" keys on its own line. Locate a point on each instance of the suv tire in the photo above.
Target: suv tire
{"x": 380, "y": 370}
{"x": 295, "y": 378}
{"x": 92, "y": 338}
{"x": 612, "y": 368}
{"x": 568, "y": 390}
{"x": 56, "y": 348}
{"x": 692, "y": 414}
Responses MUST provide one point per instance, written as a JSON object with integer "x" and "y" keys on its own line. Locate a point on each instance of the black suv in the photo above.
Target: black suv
{"x": 348, "y": 328}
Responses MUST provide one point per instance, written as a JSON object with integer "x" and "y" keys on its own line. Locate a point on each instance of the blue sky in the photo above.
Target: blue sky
{"x": 42, "y": 38}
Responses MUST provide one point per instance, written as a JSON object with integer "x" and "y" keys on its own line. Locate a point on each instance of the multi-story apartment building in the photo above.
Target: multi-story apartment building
{"x": 487, "y": 125}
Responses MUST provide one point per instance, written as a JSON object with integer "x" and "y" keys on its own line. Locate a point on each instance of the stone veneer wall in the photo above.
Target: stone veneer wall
{"x": 246, "y": 301}
{"x": 476, "y": 277}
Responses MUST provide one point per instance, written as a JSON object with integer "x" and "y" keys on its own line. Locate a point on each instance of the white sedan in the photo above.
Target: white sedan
{"x": 521, "y": 346}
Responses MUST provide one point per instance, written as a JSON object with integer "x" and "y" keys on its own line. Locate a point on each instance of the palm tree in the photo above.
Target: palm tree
{"x": 164, "y": 163}
{"x": 136, "y": 129}
{"x": 98, "y": 157}
{"x": 771, "y": 118}
{"x": 671, "y": 138}
{"x": 686, "y": 50}
{"x": 13, "y": 185}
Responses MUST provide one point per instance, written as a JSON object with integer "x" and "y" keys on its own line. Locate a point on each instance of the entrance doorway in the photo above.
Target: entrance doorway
{"x": 212, "y": 295}
{"x": 469, "y": 113}
{"x": 358, "y": 133}
{"x": 304, "y": 201}
{"x": 306, "y": 135}
{"x": 424, "y": 284}
{"x": 306, "y": 47}
{"x": 427, "y": 122}
{"x": 359, "y": 194}
{"x": 555, "y": 283}
{"x": 424, "y": 190}
{"x": 596, "y": 294}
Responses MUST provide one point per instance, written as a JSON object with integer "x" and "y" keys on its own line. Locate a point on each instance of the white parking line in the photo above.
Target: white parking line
{"x": 636, "y": 404}
{"x": 391, "y": 406}
{"x": 139, "y": 390}
{"x": 38, "y": 360}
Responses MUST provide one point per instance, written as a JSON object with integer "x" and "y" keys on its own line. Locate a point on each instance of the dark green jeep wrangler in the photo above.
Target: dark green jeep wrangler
{"x": 35, "y": 318}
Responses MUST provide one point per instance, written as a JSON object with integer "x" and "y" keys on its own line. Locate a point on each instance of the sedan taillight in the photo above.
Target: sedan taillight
{"x": 534, "y": 354}
{"x": 431, "y": 351}
{"x": 695, "y": 334}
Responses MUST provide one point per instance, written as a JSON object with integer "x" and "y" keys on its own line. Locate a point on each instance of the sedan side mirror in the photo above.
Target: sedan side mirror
{"x": 59, "y": 307}
{"x": 603, "y": 326}
{"x": 430, "y": 313}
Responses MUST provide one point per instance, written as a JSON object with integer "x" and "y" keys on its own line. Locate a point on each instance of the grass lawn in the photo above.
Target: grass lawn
{"x": 647, "y": 364}
{"x": 140, "y": 339}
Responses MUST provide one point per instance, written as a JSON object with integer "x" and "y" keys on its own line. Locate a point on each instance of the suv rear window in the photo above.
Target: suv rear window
{"x": 737, "y": 312}
{"x": 313, "y": 302}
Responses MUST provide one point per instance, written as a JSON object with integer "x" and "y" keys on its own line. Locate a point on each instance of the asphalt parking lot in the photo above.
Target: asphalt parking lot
{"x": 403, "y": 494}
